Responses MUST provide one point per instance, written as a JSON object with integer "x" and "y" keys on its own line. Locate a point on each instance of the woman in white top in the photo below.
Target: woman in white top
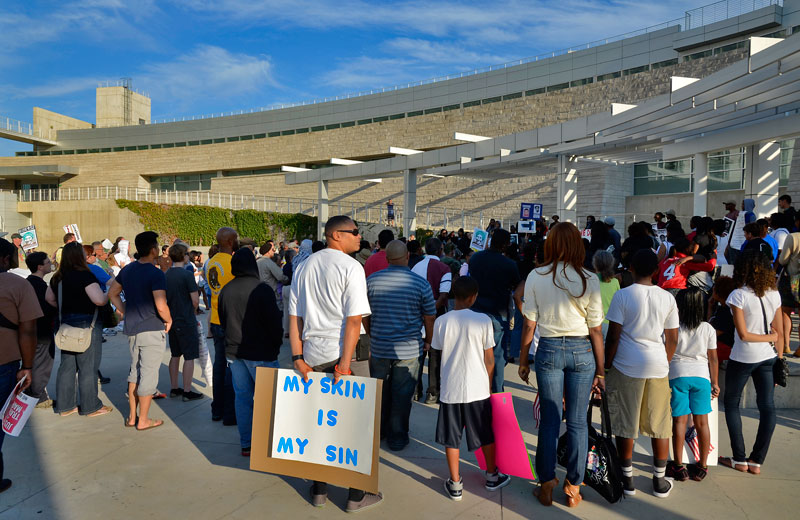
{"x": 563, "y": 300}
{"x": 758, "y": 341}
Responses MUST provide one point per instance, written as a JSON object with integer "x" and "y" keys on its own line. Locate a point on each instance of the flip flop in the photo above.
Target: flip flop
{"x": 67, "y": 414}
{"x": 728, "y": 462}
{"x": 131, "y": 425}
{"x": 102, "y": 411}
{"x": 753, "y": 466}
{"x": 154, "y": 423}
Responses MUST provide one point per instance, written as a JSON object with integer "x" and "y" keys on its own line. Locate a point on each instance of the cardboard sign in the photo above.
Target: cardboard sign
{"x": 526, "y": 226}
{"x": 480, "y": 239}
{"x": 728, "y": 225}
{"x": 325, "y": 441}
{"x": 530, "y": 211}
{"x": 73, "y": 228}
{"x": 511, "y": 453}
{"x": 29, "y": 238}
{"x": 514, "y": 238}
{"x": 587, "y": 234}
{"x": 17, "y": 411}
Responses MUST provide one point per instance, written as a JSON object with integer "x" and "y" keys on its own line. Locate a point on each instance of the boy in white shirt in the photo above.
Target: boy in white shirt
{"x": 466, "y": 339}
{"x": 637, "y": 364}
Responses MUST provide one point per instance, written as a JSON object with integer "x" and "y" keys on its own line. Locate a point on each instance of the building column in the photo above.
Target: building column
{"x": 323, "y": 213}
{"x": 700, "y": 190}
{"x": 567, "y": 190}
{"x": 762, "y": 178}
{"x": 409, "y": 202}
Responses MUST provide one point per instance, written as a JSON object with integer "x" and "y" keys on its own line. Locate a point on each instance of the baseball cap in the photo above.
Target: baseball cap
{"x": 729, "y": 201}
{"x": 670, "y": 212}
{"x": 16, "y": 235}
{"x": 609, "y": 221}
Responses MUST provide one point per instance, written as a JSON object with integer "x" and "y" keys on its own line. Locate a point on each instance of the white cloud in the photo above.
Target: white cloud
{"x": 365, "y": 71}
{"x": 439, "y": 52}
{"x": 57, "y": 88}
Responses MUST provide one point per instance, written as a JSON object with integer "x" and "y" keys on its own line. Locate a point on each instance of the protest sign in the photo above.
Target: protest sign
{"x": 728, "y": 225}
{"x": 107, "y": 244}
{"x": 511, "y": 453}
{"x": 17, "y": 410}
{"x": 29, "y": 238}
{"x": 73, "y": 228}
{"x": 530, "y": 211}
{"x": 587, "y": 234}
{"x": 327, "y": 432}
{"x": 526, "y": 226}
{"x": 480, "y": 239}
{"x": 514, "y": 238}
{"x": 661, "y": 235}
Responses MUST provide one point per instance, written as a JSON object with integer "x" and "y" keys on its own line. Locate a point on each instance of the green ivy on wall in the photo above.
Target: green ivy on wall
{"x": 198, "y": 225}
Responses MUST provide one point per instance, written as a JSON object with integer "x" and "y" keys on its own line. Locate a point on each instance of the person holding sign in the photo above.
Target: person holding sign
{"x": 466, "y": 340}
{"x": 19, "y": 310}
{"x": 327, "y": 302}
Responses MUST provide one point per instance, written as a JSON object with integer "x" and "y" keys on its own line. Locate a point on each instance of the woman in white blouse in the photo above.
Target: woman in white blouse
{"x": 563, "y": 300}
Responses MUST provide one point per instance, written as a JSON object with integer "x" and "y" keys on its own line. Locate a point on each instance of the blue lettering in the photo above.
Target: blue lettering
{"x": 306, "y": 384}
{"x": 285, "y": 445}
{"x": 301, "y": 445}
{"x": 325, "y": 383}
{"x": 331, "y": 452}
{"x": 319, "y": 417}
{"x": 359, "y": 389}
{"x": 347, "y": 388}
{"x": 351, "y": 457}
{"x": 291, "y": 384}
{"x": 337, "y": 387}
{"x": 332, "y": 417}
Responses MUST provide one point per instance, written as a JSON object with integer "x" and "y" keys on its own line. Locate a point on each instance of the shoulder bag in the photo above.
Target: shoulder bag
{"x": 70, "y": 338}
{"x": 603, "y": 470}
{"x": 780, "y": 370}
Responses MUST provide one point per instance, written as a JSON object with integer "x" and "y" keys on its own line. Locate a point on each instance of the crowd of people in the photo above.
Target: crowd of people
{"x": 645, "y": 323}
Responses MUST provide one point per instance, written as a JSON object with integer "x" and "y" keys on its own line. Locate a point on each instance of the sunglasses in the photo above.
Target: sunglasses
{"x": 355, "y": 232}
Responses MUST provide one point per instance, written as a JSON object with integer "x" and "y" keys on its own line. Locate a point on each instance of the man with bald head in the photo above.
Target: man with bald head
{"x": 219, "y": 273}
{"x": 402, "y": 303}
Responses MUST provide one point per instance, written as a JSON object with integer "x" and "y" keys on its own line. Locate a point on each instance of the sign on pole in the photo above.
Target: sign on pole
{"x": 327, "y": 431}
{"x": 29, "y": 238}
{"x": 530, "y": 211}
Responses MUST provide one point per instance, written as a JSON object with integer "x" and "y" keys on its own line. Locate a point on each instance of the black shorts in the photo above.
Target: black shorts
{"x": 184, "y": 341}
{"x": 475, "y": 417}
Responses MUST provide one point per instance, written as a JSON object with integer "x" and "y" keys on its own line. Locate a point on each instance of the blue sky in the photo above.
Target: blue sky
{"x": 208, "y": 56}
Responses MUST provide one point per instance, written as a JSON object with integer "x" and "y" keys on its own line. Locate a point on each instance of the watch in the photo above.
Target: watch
{"x": 295, "y": 358}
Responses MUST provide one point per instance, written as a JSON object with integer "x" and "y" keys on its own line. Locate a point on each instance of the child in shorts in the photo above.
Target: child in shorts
{"x": 693, "y": 380}
{"x": 466, "y": 339}
{"x": 637, "y": 361}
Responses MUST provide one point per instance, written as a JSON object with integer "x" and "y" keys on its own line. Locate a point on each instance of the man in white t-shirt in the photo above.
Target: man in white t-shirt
{"x": 327, "y": 302}
{"x": 637, "y": 364}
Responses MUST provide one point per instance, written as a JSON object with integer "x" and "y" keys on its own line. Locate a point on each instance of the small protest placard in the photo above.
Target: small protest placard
{"x": 29, "y": 238}
{"x": 73, "y": 228}
{"x": 327, "y": 431}
{"x": 480, "y": 238}
{"x": 16, "y": 411}
{"x": 530, "y": 211}
{"x": 728, "y": 225}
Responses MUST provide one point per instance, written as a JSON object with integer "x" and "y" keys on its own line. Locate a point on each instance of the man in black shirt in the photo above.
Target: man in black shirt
{"x": 39, "y": 265}
{"x": 785, "y": 205}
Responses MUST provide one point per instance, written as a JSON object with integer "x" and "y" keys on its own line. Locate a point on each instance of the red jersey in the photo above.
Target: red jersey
{"x": 671, "y": 276}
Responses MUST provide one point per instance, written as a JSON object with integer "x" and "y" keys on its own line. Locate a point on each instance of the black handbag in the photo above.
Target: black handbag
{"x": 603, "y": 470}
{"x": 780, "y": 370}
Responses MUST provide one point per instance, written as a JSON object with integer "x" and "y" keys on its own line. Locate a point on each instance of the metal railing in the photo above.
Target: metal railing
{"x": 723, "y": 10}
{"x": 21, "y": 127}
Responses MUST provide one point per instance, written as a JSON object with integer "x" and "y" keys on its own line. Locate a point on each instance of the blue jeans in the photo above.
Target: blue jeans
{"x": 244, "y": 384}
{"x": 564, "y": 369}
{"x": 736, "y": 376}
{"x": 399, "y": 383}
{"x": 515, "y": 344}
{"x": 83, "y": 364}
{"x": 222, "y": 404}
{"x": 501, "y": 332}
{"x": 8, "y": 379}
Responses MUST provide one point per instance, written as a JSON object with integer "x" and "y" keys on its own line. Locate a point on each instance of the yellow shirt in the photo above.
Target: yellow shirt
{"x": 219, "y": 274}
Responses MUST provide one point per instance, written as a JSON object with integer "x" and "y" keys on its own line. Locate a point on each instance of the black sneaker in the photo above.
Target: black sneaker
{"x": 431, "y": 399}
{"x": 697, "y": 472}
{"x": 176, "y": 392}
{"x": 5, "y": 484}
{"x": 496, "y": 480}
{"x": 677, "y": 472}
{"x": 192, "y": 396}
{"x": 454, "y": 490}
{"x": 662, "y": 487}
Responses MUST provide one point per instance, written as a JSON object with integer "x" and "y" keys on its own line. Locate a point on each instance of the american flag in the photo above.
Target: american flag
{"x": 694, "y": 444}
{"x": 537, "y": 411}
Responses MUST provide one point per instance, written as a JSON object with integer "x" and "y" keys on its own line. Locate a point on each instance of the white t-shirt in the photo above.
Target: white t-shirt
{"x": 780, "y": 235}
{"x": 691, "y": 356}
{"x": 462, "y": 336}
{"x": 326, "y": 289}
{"x": 746, "y": 299}
{"x": 644, "y": 311}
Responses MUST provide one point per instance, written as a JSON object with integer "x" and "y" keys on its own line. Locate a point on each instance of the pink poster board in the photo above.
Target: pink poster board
{"x": 512, "y": 454}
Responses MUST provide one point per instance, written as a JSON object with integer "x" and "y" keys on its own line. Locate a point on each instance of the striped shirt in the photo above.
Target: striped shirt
{"x": 398, "y": 299}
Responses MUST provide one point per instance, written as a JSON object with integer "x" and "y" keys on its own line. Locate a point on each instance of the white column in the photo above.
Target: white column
{"x": 567, "y": 190}
{"x": 761, "y": 182}
{"x": 409, "y": 202}
{"x": 322, "y": 216}
{"x": 700, "y": 172}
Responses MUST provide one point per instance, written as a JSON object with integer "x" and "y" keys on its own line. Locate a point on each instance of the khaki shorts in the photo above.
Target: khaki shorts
{"x": 638, "y": 405}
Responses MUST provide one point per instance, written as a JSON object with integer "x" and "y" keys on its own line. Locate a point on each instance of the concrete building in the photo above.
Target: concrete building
{"x": 280, "y": 158}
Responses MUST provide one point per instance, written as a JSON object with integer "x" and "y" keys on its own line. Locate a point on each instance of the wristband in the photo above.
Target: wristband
{"x": 297, "y": 357}
{"x": 336, "y": 369}
{"x": 26, "y": 368}
{"x": 599, "y": 376}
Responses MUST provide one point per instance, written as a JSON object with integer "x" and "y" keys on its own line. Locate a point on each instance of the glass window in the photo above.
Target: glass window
{"x": 508, "y": 96}
{"x": 787, "y": 152}
{"x": 662, "y": 177}
{"x": 471, "y": 103}
{"x": 182, "y": 182}
{"x": 535, "y": 91}
{"x": 560, "y": 86}
{"x": 726, "y": 170}
{"x": 610, "y": 75}
{"x": 410, "y": 114}
{"x": 453, "y": 107}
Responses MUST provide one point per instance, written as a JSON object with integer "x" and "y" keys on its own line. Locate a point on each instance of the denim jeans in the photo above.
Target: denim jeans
{"x": 244, "y": 384}
{"x": 515, "y": 344}
{"x": 736, "y": 376}
{"x": 222, "y": 404}
{"x": 564, "y": 369}
{"x": 399, "y": 382}
{"x": 83, "y": 364}
{"x": 8, "y": 379}
{"x": 501, "y": 332}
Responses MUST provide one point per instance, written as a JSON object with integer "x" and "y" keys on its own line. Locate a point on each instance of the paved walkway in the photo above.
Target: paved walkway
{"x": 85, "y": 468}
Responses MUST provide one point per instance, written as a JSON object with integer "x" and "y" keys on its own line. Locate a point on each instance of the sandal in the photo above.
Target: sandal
{"x": 753, "y": 468}
{"x": 697, "y": 472}
{"x": 67, "y": 414}
{"x": 131, "y": 425}
{"x": 154, "y": 423}
{"x": 728, "y": 462}
{"x": 102, "y": 411}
